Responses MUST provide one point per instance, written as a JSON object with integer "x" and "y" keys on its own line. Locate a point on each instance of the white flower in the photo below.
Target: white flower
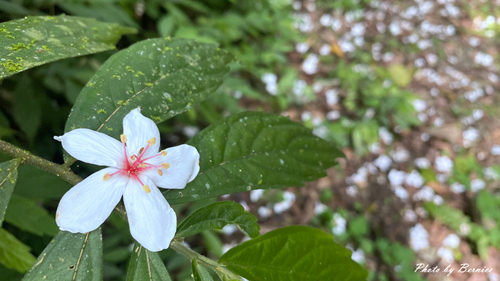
{"x": 135, "y": 170}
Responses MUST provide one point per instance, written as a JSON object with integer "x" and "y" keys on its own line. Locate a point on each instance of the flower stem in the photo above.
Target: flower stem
{"x": 27, "y": 158}
{"x": 62, "y": 171}
{"x": 191, "y": 255}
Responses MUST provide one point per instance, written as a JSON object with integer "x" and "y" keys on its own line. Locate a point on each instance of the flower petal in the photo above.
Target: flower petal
{"x": 184, "y": 167}
{"x": 152, "y": 221}
{"x": 138, "y": 130}
{"x": 93, "y": 147}
{"x": 87, "y": 205}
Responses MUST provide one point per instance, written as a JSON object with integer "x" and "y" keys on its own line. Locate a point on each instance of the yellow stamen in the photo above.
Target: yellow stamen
{"x": 160, "y": 173}
{"x": 133, "y": 157}
{"x": 142, "y": 166}
{"x": 152, "y": 141}
{"x": 106, "y": 176}
{"x": 123, "y": 138}
{"x": 146, "y": 188}
{"x": 163, "y": 153}
{"x": 141, "y": 150}
{"x": 165, "y": 165}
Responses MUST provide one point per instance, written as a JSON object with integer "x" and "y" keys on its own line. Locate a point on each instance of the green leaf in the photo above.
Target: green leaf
{"x": 10, "y": 274}
{"x": 146, "y": 265}
{"x": 8, "y": 177}
{"x": 216, "y": 216}
{"x": 200, "y": 273}
{"x": 26, "y": 108}
{"x": 36, "y": 40}
{"x": 37, "y": 184}
{"x": 164, "y": 77}
{"x": 25, "y": 214}
{"x": 70, "y": 256}
{"x": 400, "y": 74}
{"x": 293, "y": 253}
{"x": 255, "y": 150}
{"x": 13, "y": 253}
{"x": 212, "y": 242}
{"x": 108, "y": 12}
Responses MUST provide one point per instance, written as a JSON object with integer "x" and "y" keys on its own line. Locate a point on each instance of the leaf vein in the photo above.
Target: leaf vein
{"x": 77, "y": 265}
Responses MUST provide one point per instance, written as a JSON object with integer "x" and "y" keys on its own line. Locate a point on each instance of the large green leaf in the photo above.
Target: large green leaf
{"x": 8, "y": 177}
{"x": 293, "y": 253}
{"x": 255, "y": 150}
{"x": 146, "y": 266}
{"x": 13, "y": 253}
{"x": 70, "y": 256}
{"x": 216, "y": 216}
{"x": 25, "y": 214}
{"x": 36, "y": 40}
{"x": 163, "y": 76}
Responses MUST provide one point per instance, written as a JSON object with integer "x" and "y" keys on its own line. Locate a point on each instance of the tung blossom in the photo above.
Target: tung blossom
{"x": 136, "y": 168}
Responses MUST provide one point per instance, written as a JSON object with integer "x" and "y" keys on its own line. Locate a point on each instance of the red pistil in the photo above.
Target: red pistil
{"x": 138, "y": 165}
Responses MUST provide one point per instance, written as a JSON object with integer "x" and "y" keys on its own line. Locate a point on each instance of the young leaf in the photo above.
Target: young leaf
{"x": 25, "y": 214}
{"x": 163, "y": 76}
{"x": 8, "y": 177}
{"x": 36, "y": 40}
{"x": 293, "y": 253}
{"x": 200, "y": 273}
{"x": 13, "y": 253}
{"x": 255, "y": 150}
{"x": 218, "y": 215}
{"x": 146, "y": 265}
{"x": 70, "y": 256}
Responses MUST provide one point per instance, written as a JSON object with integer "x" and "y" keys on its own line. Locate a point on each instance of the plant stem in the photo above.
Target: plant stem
{"x": 190, "y": 254}
{"x": 27, "y": 158}
{"x": 62, "y": 171}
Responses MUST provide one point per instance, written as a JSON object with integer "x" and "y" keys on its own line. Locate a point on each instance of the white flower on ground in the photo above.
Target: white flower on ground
{"x": 340, "y": 223}
{"x": 443, "y": 164}
{"x": 419, "y": 238}
{"x": 396, "y": 177}
{"x": 414, "y": 179}
{"x": 477, "y": 184}
{"x": 451, "y": 241}
{"x": 135, "y": 170}
{"x": 383, "y": 162}
{"x": 457, "y": 187}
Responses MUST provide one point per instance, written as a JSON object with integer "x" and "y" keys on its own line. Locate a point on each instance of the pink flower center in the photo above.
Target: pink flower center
{"x": 137, "y": 164}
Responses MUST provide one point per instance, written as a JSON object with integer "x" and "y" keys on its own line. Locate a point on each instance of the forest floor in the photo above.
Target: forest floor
{"x": 448, "y": 49}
